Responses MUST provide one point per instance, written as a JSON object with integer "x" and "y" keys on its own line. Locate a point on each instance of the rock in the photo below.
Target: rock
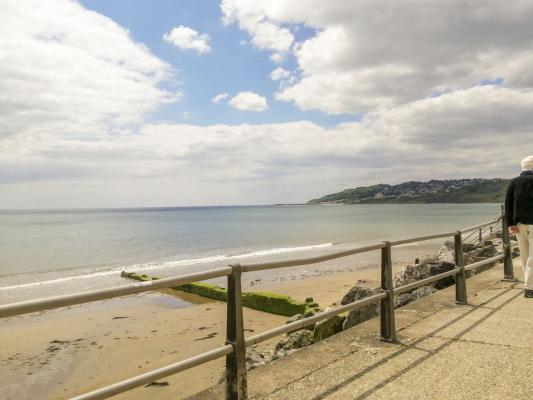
{"x": 328, "y": 327}
{"x": 487, "y": 251}
{"x": 254, "y": 359}
{"x": 428, "y": 267}
{"x": 469, "y": 247}
{"x": 416, "y": 294}
{"x": 293, "y": 342}
{"x": 356, "y": 293}
{"x": 296, "y": 340}
{"x": 446, "y": 253}
{"x": 480, "y": 254}
{"x": 355, "y": 317}
{"x": 281, "y": 353}
{"x": 411, "y": 273}
{"x": 438, "y": 268}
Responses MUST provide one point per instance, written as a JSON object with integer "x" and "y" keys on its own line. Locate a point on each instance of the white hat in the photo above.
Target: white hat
{"x": 527, "y": 163}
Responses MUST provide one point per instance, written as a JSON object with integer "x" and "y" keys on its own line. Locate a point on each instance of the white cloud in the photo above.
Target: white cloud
{"x": 187, "y": 38}
{"x": 73, "y": 130}
{"x": 70, "y": 71}
{"x": 277, "y": 58}
{"x": 459, "y": 134}
{"x": 266, "y": 33}
{"x": 279, "y": 73}
{"x": 249, "y": 101}
{"x": 219, "y": 97}
{"x": 374, "y": 54}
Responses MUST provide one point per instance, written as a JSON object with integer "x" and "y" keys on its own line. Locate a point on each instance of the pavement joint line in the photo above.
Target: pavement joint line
{"x": 463, "y": 340}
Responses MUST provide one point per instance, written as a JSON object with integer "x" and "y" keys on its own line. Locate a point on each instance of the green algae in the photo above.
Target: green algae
{"x": 272, "y": 303}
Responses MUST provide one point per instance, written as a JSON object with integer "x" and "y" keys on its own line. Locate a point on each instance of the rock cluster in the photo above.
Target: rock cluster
{"x": 442, "y": 262}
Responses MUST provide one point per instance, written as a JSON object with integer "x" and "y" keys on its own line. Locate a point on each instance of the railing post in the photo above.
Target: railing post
{"x": 460, "y": 276}
{"x": 236, "y": 388}
{"x": 388, "y": 323}
{"x": 508, "y": 272}
{"x": 480, "y": 235}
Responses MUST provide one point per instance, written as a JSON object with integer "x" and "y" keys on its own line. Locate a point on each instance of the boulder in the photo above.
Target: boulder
{"x": 296, "y": 340}
{"x": 469, "y": 247}
{"x": 328, "y": 327}
{"x": 411, "y": 273}
{"x": 480, "y": 254}
{"x": 293, "y": 342}
{"x": 355, "y": 317}
{"x": 438, "y": 268}
{"x": 428, "y": 267}
{"x": 254, "y": 359}
{"x": 416, "y": 294}
{"x": 357, "y": 292}
{"x": 447, "y": 253}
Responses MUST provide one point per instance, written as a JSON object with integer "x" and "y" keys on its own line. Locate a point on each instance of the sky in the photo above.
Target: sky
{"x": 113, "y": 103}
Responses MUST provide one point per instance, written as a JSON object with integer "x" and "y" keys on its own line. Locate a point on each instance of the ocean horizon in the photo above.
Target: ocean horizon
{"x": 44, "y": 252}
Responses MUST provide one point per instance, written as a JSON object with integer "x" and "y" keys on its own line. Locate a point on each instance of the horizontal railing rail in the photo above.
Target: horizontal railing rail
{"x": 311, "y": 260}
{"x": 30, "y": 306}
{"x": 235, "y": 348}
{"x": 423, "y": 238}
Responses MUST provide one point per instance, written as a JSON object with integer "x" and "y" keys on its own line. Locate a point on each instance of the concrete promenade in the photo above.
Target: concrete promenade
{"x": 483, "y": 350}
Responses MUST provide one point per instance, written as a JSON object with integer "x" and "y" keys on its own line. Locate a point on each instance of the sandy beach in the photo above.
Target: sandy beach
{"x": 66, "y": 352}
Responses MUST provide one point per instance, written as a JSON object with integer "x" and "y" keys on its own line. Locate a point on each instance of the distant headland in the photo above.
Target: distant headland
{"x": 434, "y": 191}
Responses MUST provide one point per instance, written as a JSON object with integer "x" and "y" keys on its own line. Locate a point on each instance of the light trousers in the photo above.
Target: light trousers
{"x": 525, "y": 242}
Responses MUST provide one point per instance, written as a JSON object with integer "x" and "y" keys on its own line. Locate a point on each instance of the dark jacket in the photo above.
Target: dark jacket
{"x": 519, "y": 200}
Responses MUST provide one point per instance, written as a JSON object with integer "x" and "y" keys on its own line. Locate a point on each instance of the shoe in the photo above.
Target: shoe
{"x": 528, "y": 293}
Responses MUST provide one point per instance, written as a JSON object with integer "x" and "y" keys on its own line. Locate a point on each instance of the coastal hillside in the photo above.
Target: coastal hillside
{"x": 434, "y": 191}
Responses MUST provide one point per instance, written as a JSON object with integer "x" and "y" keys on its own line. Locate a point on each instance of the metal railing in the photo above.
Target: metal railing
{"x": 235, "y": 348}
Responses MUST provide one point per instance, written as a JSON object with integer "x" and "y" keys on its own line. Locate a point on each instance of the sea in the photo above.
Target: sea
{"x": 50, "y": 252}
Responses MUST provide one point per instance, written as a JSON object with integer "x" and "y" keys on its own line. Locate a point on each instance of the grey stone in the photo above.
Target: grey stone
{"x": 469, "y": 247}
{"x": 254, "y": 359}
{"x": 357, "y": 292}
{"x": 293, "y": 342}
{"x": 416, "y": 294}
{"x": 355, "y": 317}
{"x": 328, "y": 327}
{"x": 296, "y": 340}
{"x": 411, "y": 273}
{"x": 480, "y": 254}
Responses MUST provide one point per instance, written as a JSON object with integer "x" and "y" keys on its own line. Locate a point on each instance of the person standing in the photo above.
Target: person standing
{"x": 519, "y": 215}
